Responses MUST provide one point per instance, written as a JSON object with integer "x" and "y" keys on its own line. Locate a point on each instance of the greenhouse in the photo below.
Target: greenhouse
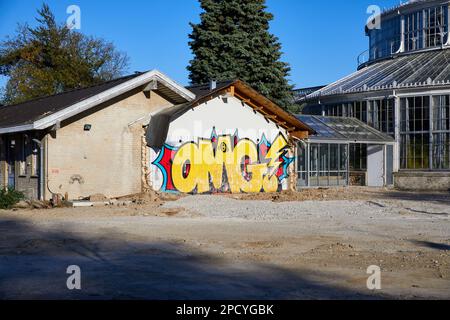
{"x": 344, "y": 151}
{"x": 402, "y": 89}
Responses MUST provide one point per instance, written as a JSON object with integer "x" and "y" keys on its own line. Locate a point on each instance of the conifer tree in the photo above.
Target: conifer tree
{"x": 232, "y": 41}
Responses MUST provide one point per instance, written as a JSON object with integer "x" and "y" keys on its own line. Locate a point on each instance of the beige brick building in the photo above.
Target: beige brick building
{"x": 90, "y": 140}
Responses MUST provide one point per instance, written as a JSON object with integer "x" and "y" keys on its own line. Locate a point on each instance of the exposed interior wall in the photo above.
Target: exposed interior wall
{"x": 207, "y": 139}
{"x": 107, "y": 159}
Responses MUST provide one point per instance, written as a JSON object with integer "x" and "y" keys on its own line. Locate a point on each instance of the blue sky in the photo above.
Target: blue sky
{"x": 321, "y": 39}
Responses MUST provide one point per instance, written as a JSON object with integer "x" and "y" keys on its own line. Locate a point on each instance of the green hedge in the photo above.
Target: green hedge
{"x": 10, "y": 197}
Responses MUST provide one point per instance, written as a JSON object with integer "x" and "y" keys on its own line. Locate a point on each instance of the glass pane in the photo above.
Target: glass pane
{"x": 323, "y": 158}
{"x": 334, "y": 157}
{"x": 441, "y": 151}
{"x": 314, "y": 157}
{"x": 301, "y": 157}
{"x": 343, "y": 152}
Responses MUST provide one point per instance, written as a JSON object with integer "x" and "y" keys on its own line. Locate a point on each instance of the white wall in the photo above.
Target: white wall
{"x": 226, "y": 117}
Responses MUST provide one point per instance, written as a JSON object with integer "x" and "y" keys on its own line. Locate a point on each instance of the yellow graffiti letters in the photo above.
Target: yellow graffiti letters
{"x": 186, "y": 183}
{"x": 201, "y": 166}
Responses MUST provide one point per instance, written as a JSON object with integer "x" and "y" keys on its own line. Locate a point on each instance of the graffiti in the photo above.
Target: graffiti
{"x": 224, "y": 164}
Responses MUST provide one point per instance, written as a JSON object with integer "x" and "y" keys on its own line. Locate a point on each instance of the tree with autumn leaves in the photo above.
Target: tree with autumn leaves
{"x": 50, "y": 58}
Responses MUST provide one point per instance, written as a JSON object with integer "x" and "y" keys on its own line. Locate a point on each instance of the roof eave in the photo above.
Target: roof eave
{"x": 15, "y": 129}
{"x": 283, "y": 118}
{"x": 100, "y": 98}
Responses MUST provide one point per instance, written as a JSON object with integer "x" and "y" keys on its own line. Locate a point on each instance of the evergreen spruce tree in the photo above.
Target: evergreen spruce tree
{"x": 233, "y": 41}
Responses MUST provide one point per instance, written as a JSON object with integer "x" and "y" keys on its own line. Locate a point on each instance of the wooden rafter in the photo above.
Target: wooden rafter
{"x": 262, "y": 105}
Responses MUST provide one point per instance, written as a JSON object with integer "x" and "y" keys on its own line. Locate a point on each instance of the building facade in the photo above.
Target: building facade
{"x": 144, "y": 131}
{"x": 327, "y": 158}
{"x": 402, "y": 89}
{"x": 231, "y": 139}
{"x": 86, "y": 141}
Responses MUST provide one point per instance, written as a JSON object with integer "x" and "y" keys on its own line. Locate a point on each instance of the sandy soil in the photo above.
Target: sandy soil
{"x": 309, "y": 245}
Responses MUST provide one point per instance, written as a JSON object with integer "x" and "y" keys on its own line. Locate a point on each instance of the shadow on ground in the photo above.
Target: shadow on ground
{"x": 33, "y": 265}
{"x": 436, "y": 197}
{"x": 433, "y": 245}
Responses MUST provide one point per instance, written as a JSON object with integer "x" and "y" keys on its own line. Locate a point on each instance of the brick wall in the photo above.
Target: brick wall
{"x": 108, "y": 158}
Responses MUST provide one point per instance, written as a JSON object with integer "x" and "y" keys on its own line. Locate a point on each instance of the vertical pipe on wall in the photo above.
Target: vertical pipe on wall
{"x": 385, "y": 160}
{"x": 3, "y": 163}
{"x": 41, "y": 168}
{"x": 402, "y": 32}
{"x": 348, "y": 163}
{"x": 396, "y": 156}
{"x": 448, "y": 26}
{"x": 308, "y": 164}
{"x": 431, "y": 138}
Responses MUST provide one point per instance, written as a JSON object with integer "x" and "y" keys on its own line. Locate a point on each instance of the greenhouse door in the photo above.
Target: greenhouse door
{"x": 375, "y": 166}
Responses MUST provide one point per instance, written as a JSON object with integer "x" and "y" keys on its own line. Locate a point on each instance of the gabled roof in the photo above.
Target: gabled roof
{"x": 425, "y": 69}
{"x": 301, "y": 93}
{"x": 342, "y": 129}
{"x": 43, "y": 113}
{"x": 202, "y": 90}
{"x": 258, "y": 102}
{"x": 160, "y": 120}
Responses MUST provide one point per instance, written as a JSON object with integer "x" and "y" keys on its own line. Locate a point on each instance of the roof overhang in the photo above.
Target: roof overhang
{"x": 380, "y": 94}
{"x": 163, "y": 82}
{"x": 262, "y": 105}
{"x": 344, "y": 130}
{"x": 414, "y": 71}
{"x": 411, "y": 6}
{"x": 312, "y": 139}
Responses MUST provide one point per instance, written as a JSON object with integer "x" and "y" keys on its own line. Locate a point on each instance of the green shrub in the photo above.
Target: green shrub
{"x": 9, "y": 197}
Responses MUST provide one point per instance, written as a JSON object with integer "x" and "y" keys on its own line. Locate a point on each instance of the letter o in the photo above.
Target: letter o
{"x": 187, "y": 153}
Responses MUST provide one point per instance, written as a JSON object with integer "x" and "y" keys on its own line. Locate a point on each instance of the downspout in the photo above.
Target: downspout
{"x": 47, "y": 179}
{"x": 397, "y": 138}
{"x": 41, "y": 168}
{"x": 448, "y": 28}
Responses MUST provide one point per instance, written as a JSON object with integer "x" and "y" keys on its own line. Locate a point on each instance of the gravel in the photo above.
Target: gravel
{"x": 225, "y": 207}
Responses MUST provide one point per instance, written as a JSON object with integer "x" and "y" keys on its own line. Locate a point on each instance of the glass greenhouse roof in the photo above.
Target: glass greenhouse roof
{"x": 343, "y": 130}
{"x": 425, "y": 69}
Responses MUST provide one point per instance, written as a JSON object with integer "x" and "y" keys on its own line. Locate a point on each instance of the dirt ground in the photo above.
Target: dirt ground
{"x": 315, "y": 244}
